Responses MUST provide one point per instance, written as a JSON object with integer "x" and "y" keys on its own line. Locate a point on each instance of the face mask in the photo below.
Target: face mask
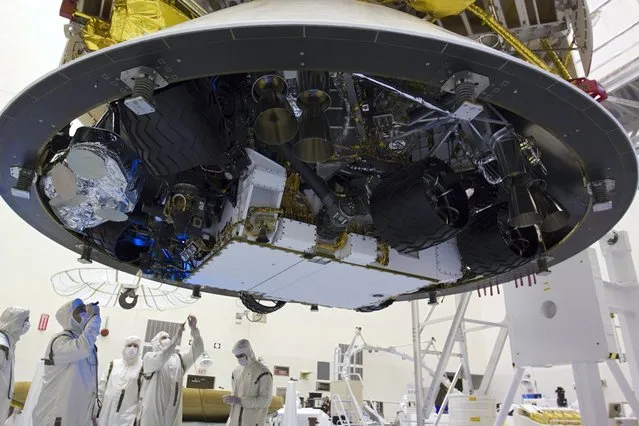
{"x": 130, "y": 352}
{"x": 83, "y": 317}
{"x": 25, "y": 327}
{"x": 243, "y": 361}
{"x": 165, "y": 343}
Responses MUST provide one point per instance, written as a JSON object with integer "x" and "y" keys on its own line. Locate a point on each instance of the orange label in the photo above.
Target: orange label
{"x": 472, "y": 398}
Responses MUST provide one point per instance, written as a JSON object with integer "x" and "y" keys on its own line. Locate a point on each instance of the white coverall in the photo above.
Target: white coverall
{"x": 12, "y": 326}
{"x": 253, "y": 385}
{"x": 164, "y": 370}
{"x": 69, "y": 381}
{"x": 119, "y": 388}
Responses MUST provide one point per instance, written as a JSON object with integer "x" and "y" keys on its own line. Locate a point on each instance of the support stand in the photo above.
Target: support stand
{"x": 417, "y": 359}
{"x": 622, "y": 295}
{"x": 457, "y": 334}
{"x": 590, "y": 394}
{"x": 543, "y": 315}
{"x": 290, "y": 407}
{"x": 510, "y": 396}
{"x": 623, "y": 385}
{"x": 446, "y": 351}
{"x": 547, "y": 322}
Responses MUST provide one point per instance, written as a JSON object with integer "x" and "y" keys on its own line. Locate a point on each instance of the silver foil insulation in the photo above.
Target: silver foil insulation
{"x": 95, "y": 181}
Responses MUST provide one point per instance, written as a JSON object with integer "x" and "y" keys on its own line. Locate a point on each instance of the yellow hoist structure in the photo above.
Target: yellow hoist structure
{"x": 438, "y": 9}
{"x": 522, "y": 50}
{"x": 133, "y": 18}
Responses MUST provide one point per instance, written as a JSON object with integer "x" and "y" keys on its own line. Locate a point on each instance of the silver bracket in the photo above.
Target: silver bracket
{"x": 600, "y": 192}
{"x": 467, "y": 111}
{"x": 481, "y": 82}
{"x": 25, "y": 178}
{"x": 143, "y": 81}
{"x": 129, "y": 76}
{"x": 542, "y": 265}
{"x": 85, "y": 254}
{"x": 15, "y": 172}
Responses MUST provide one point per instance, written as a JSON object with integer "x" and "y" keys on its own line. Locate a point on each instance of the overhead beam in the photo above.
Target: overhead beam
{"x": 623, "y": 102}
{"x": 522, "y": 13}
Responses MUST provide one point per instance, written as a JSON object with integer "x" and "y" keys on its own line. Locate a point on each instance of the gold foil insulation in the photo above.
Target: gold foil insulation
{"x": 130, "y": 19}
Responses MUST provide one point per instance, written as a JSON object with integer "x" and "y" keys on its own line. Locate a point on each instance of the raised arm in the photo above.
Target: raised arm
{"x": 197, "y": 349}
{"x": 153, "y": 361}
{"x": 67, "y": 349}
{"x": 264, "y": 393}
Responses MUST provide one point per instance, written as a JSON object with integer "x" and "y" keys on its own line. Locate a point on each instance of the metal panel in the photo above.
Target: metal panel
{"x": 441, "y": 262}
{"x": 294, "y": 235}
{"x": 263, "y": 187}
{"x": 347, "y": 286}
{"x": 241, "y": 266}
{"x": 563, "y": 312}
{"x": 283, "y": 275}
{"x": 287, "y": 277}
{"x": 359, "y": 250}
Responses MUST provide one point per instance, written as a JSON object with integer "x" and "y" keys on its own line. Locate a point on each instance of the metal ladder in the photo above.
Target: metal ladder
{"x": 350, "y": 410}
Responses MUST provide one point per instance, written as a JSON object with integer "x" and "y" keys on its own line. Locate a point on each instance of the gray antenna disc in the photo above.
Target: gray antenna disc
{"x": 111, "y": 215}
{"x": 86, "y": 164}
{"x": 64, "y": 182}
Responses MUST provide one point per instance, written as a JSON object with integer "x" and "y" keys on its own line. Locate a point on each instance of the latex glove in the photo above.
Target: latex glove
{"x": 192, "y": 320}
{"x": 232, "y": 400}
{"x": 93, "y": 309}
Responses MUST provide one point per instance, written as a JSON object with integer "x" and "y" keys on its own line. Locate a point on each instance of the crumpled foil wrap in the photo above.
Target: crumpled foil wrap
{"x": 119, "y": 189}
{"x": 130, "y": 19}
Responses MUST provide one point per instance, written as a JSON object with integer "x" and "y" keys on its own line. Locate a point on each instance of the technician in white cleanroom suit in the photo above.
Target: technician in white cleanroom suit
{"x": 14, "y": 322}
{"x": 163, "y": 373}
{"x": 252, "y": 385}
{"x": 70, "y": 377}
{"x": 120, "y": 385}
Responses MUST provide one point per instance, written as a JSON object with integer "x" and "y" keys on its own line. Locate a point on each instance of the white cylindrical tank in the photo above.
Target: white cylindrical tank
{"x": 471, "y": 410}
